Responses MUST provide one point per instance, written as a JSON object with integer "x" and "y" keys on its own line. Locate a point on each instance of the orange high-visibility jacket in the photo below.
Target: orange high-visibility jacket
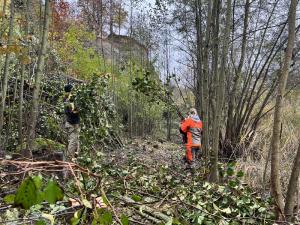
{"x": 193, "y": 127}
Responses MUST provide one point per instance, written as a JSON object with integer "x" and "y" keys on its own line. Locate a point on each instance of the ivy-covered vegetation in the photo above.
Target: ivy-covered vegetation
{"x": 160, "y": 194}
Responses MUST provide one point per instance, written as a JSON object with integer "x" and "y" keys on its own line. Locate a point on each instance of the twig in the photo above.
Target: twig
{"x": 5, "y": 207}
{"x": 110, "y": 205}
{"x": 162, "y": 201}
{"x": 76, "y": 181}
{"x": 148, "y": 217}
{"x": 135, "y": 221}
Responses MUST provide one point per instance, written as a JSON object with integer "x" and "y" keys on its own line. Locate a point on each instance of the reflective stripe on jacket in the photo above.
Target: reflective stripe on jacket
{"x": 193, "y": 128}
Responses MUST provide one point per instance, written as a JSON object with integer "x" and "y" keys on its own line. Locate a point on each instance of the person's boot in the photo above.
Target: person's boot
{"x": 189, "y": 164}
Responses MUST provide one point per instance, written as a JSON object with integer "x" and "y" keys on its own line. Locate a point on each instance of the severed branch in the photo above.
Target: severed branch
{"x": 110, "y": 205}
{"x": 51, "y": 166}
{"x": 146, "y": 209}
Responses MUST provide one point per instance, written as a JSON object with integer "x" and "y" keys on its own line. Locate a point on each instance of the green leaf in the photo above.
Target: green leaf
{"x": 106, "y": 218}
{"x": 37, "y": 181}
{"x": 226, "y": 210}
{"x": 41, "y": 222}
{"x": 105, "y": 200}
{"x": 262, "y": 209}
{"x": 53, "y": 192}
{"x": 124, "y": 220}
{"x": 232, "y": 183}
{"x": 207, "y": 185}
{"x": 200, "y": 219}
{"x": 230, "y": 171}
{"x": 9, "y": 199}
{"x": 75, "y": 221}
{"x": 86, "y": 203}
{"x": 231, "y": 164}
{"x": 76, "y": 218}
{"x": 136, "y": 198}
{"x": 40, "y": 197}
{"x": 26, "y": 195}
{"x": 240, "y": 174}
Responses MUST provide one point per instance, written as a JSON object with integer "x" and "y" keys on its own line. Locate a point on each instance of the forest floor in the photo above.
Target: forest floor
{"x": 146, "y": 182}
{"x": 150, "y": 153}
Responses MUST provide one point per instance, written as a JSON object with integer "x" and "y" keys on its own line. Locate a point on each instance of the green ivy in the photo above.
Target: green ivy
{"x": 32, "y": 192}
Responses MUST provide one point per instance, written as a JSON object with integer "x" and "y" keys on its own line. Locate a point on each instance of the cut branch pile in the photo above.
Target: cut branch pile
{"x": 23, "y": 167}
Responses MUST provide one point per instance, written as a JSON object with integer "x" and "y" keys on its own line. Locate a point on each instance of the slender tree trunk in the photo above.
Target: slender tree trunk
{"x": 214, "y": 176}
{"x": 199, "y": 85}
{"x": 10, "y": 104}
{"x": 205, "y": 97}
{"x": 237, "y": 78}
{"x": 220, "y": 90}
{"x": 292, "y": 188}
{"x": 130, "y": 110}
{"x": 169, "y": 85}
{"x": 23, "y": 68}
{"x": 275, "y": 142}
{"x": 6, "y": 70}
{"x": 38, "y": 77}
{"x": 224, "y": 60}
{"x": 111, "y": 16}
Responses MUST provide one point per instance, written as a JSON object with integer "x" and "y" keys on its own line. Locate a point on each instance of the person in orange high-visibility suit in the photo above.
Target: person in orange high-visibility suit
{"x": 192, "y": 126}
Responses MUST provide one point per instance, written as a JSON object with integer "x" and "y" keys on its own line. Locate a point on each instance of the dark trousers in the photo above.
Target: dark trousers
{"x": 196, "y": 153}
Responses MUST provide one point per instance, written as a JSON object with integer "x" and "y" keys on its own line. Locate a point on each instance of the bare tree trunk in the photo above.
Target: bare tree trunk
{"x": 275, "y": 155}
{"x": 214, "y": 176}
{"x": 205, "y": 97}
{"x": 111, "y": 17}
{"x": 21, "y": 90}
{"x": 38, "y": 77}
{"x": 199, "y": 85}
{"x": 130, "y": 110}
{"x": 168, "y": 83}
{"x": 292, "y": 188}
{"x": 224, "y": 60}
{"x": 6, "y": 69}
{"x": 232, "y": 97}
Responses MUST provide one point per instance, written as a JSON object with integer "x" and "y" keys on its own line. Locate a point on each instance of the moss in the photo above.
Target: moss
{"x": 43, "y": 143}
{"x": 46, "y": 144}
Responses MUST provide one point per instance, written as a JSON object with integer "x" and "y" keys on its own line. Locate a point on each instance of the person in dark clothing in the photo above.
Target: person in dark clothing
{"x": 72, "y": 124}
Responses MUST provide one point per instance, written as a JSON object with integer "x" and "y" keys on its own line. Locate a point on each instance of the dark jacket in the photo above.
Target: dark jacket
{"x": 72, "y": 114}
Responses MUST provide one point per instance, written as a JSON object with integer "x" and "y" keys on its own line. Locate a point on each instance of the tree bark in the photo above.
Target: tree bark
{"x": 292, "y": 188}
{"x": 205, "y": 97}
{"x": 6, "y": 70}
{"x": 275, "y": 154}
{"x": 232, "y": 97}
{"x": 199, "y": 85}
{"x": 38, "y": 78}
{"x": 23, "y": 68}
{"x": 214, "y": 175}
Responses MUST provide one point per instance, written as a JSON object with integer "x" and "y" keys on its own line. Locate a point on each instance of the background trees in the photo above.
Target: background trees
{"x": 229, "y": 59}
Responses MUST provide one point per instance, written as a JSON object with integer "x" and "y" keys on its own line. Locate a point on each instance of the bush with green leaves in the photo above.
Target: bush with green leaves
{"x": 99, "y": 122}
